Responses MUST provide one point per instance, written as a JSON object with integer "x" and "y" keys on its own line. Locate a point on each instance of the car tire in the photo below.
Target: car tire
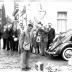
{"x": 66, "y": 56}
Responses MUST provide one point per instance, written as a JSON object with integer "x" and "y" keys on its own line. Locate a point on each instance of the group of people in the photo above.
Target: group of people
{"x": 10, "y": 38}
{"x": 40, "y": 39}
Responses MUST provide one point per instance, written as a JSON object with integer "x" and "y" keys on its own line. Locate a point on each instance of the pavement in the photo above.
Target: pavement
{"x": 10, "y": 61}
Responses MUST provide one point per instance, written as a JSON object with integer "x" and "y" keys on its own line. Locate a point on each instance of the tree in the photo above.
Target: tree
{"x": 3, "y": 16}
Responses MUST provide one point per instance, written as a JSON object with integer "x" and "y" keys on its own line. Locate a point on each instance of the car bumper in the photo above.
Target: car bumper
{"x": 52, "y": 53}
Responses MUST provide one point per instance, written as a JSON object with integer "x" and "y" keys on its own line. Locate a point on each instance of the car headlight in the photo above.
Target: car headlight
{"x": 50, "y": 47}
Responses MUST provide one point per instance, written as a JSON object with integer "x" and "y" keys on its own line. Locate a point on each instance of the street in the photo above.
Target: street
{"x": 11, "y": 60}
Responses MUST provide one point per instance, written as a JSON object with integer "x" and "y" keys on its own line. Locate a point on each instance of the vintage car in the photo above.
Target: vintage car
{"x": 62, "y": 46}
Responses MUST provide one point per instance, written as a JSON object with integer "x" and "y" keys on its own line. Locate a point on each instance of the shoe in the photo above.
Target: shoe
{"x": 3, "y": 48}
{"x": 43, "y": 55}
{"x": 46, "y": 49}
{"x": 28, "y": 68}
{"x": 8, "y": 49}
{"x": 24, "y": 69}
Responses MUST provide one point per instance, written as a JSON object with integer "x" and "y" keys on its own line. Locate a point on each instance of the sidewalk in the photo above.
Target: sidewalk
{"x": 10, "y": 61}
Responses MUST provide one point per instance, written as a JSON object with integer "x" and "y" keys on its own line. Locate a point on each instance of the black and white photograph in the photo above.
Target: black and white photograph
{"x": 35, "y": 35}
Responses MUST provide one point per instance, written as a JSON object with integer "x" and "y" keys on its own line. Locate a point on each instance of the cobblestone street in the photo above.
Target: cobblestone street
{"x": 11, "y": 60}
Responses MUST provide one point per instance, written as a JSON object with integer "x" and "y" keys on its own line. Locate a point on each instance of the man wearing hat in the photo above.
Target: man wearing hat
{"x": 51, "y": 35}
{"x": 24, "y": 44}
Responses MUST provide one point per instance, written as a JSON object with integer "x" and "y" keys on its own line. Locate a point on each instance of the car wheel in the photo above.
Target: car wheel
{"x": 67, "y": 53}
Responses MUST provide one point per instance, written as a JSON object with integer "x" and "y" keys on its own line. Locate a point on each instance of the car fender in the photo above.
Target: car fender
{"x": 63, "y": 46}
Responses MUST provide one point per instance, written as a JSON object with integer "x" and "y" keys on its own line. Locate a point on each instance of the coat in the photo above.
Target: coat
{"x": 5, "y": 34}
{"x": 25, "y": 39}
{"x": 51, "y": 34}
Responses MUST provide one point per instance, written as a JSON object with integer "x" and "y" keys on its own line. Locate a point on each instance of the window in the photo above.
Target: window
{"x": 61, "y": 21}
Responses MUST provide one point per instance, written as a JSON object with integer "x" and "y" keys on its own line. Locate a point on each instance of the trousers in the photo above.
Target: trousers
{"x": 42, "y": 48}
{"x": 5, "y": 43}
{"x": 25, "y": 55}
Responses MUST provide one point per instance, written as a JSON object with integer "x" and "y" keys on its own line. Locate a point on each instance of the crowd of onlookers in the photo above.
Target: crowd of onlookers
{"x": 37, "y": 39}
{"x": 32, "y": 39}
{"x": 41, "y": 40}
{"x": 10, "y": 38}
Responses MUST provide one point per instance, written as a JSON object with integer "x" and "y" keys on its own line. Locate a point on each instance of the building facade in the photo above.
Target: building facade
{"x": 57, "y": 13}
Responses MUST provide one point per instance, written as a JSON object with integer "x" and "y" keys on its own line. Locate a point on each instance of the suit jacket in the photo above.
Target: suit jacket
{"x": 24, "y": 39}
{"x": 10, "y": 34}
{"x": 5, "y": 34}
{"x": 15, "y": 33}
{"x": 51, "y": 34}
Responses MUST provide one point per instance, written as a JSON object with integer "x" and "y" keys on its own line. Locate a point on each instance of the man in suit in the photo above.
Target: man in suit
{"x": 24, "y": 44}
{"x": 10, "y": 39}
{"x": 15, "y": 39}
{"x": 5, "y": 37}
{"x": 51, "y": 35}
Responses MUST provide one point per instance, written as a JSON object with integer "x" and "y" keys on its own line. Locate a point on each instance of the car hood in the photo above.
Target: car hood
{"x": 61, "y": 39}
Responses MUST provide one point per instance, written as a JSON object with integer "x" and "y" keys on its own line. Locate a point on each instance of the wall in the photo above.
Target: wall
{"x": 52, "y": 8}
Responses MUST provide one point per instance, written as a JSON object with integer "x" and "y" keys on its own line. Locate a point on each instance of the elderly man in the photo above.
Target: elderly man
{"x": 51, "y": 35}
{"x": 24, "y": 43}
{"x": 5, "y": 37}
